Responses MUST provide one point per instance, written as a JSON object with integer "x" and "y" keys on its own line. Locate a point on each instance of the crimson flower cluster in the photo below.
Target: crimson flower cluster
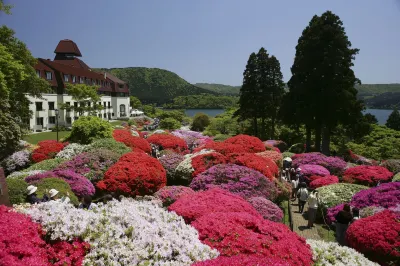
{"x": 168, "y": 142}
{"x": 135, "y": 143}
{"x": 367, "y": 175}
{"x": 249, "y": 143}
{"x": 135, "y": 174}
{"x": 221, "y": 147}
{"x": 264, "y": 165}
{"x": 324, "y": 181}
{"x": 47, "y": 149}
{"x": 202, "y": 162}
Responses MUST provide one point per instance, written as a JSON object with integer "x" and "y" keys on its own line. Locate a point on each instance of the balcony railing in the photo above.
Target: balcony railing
{"x": 40, "y": 113}
{"x": 52, "y": 112}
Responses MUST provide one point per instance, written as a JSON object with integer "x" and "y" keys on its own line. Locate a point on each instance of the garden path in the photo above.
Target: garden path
{"x": 300, "y": 223}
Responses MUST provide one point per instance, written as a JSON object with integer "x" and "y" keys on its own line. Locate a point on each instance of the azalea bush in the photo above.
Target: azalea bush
{"x": 240, "y": 180}
{"x": 45, "y": 165}
{"x": 243, "y": 260}
{"x": 335, "y": 165}
{"x": 284, "y": 191}
{"x": 88, "y": 129}
{"x": 79, "y": 184}
{"x": 70, "y": 151}
{"x": 108, "y": 144}
{"x": 248, "y": 143}
{"x": 377, "y": 237}
{"x": 324, "y": 181}
{"x": 191, "y": 137}
{"x": 195, "y": 205}
{"x": 267, "y": 209}
{"x": 393, "y": 165}
{"x": 221, "y": 147}
{"x": 23, "y": 174}
{"x": 385, "y": 195}
{"x": 264, "y": 165}
{"x": 313, "y": 170}
{"x": 367, "y": 175}
{"x": 335, "y": 194}
{"x": 233, "y": 233}
{"x": 47, "y": 149}
{"x": 16, "y": 161}
{"x": 273, "y": 155}
{"x": 129, "y": 232}
{"x": 135, "y": 174}
{"x": 168, "y": 142}
{"x": 17, "y": 190}
{"x": 170, "y": 194}
{"x": 202, "y": 162}
{"x": 170, "y": 162}
{"x": 131, "y": 141}
{"x": 332, "y": 254}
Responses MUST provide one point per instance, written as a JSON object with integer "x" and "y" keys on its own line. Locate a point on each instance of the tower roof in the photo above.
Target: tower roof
{"x": 67, "y": 47}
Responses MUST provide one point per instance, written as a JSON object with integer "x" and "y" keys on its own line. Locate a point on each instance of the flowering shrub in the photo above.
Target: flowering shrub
{"x": 335, "y": 194}
{"x": 367, "y": 175}
{"x": 282, "y": 146}
{"x": 170, "y": 194}
{"x": 45, "y": 165}
{"x": 133, "y": 142}
{"x": 168, "y": 142}
{"x": 71, "y": 150}
{"x": 240, "y": 180}
{"x": 22, "y": 174}
{"x": 170, "y": 161}
{"x": 377, "y": 237}
{"x": 284, "y": 191}
{"x": 17, "y": 161}
{"x": 191, "y": 137}
{"x": 221, "y": 147}
{"x": 396, "y": 178}
{"x": 202, "y": 162}
{"x": 195, "y": 205}
{"x": 16, "y": 190}
{"x": 64, "y": 253}
{"x": 273, "y": 155}
{"x": 233, "y": 233}
{"x": 79, "y": 184}
{"x": 47, "y": 150}
{"x": 248, "y": 143}
{"x": 243, "y": 260}
{"x": 267, "y": 209}
{"x": 264, "y": 165}
{"x": 332, "y": 254}
{"x": 92, "y": 164}
{"x": 334, "y": 164}
{"x": 324, "y": 181}
{"x": 332, "y": 212}
{"x": 135, "y": 174}
{"x": 129, "y": 232}
{"x": 393, "y": 165}
{"x": 385, "y": 195}
{"x": 108, "y": 144}
{"x": 311, "y": 169}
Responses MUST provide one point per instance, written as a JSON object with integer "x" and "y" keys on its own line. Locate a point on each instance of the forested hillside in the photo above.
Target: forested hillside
{"x": 220, "y": 88}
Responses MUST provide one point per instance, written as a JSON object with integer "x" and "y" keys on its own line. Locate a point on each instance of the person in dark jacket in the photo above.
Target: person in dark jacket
{"x": 343, "y": 219}
{"x": 32, "y": 197}
{"x": 86, "y": 203}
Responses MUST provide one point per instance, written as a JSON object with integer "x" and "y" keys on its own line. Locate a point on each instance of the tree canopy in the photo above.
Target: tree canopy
{"x": 86, "y": 96}
{"x": 393, "y": 121}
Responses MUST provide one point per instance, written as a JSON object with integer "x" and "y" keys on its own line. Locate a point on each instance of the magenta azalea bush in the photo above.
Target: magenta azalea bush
{"x": 385, "y": 195}
{"x": 239, "y": 180}
{"x": 267, "y": 209}
{"x": 79, "y": 184}
{"x": 191, "y": 137}
{"x": 313, "y": 170}
{"x": 170, "y": 161}
{"x": 170, "y": 194}
{"x": 335, "y": 165}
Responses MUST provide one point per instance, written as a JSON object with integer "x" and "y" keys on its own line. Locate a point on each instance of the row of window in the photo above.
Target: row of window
{"x": 39, "y": 105}
{"x": 52, "y": 119}
{"x": 74, "y": 79}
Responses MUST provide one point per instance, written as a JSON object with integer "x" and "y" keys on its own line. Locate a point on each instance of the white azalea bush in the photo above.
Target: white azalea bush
{"x": 23, "y": 174}
{"x": 184, "y": 170}
{"x": 336, "y": 194}
{"x": 332, "y": 254}
{"x": 129, "y": 232}
{"x": 71, "y": 150}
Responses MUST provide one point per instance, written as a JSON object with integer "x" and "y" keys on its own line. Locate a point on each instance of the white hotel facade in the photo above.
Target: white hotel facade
{"x": 67, "y": 68}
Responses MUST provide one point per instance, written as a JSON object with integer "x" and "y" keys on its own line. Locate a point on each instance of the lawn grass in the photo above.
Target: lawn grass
{"x": 284, "y": 206}
{"x": 35, "y": 138}
{"x": 324, "y": 232}
{"x": 116, "y": 123}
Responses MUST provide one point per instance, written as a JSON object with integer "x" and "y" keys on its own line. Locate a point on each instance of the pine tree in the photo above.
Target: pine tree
{"x": 263, "y": 83}
{"x": 393, "y": 121}
{"x": 248, "y": 94}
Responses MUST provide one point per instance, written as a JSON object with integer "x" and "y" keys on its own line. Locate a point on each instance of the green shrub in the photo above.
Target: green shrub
{"x": 175, "y": 114}
{"x": 87, "y": 129}
{"x": 17, "y": 190}
{"x": 396, "y": 178}
{"x": 287, "y": 154}
{"x": 200, "y": 122}
{"x": 170, "y": 123}
{"x": 132, "y": 122}
{"x": 221, "y": 137}
{"x": 9, "y": 136}
{"x": 46, "y": 165}
{"x": 45, "y": 184}
{"x": 108, "y": 144}
{"x": 186, "y": 121}
{"x": 392, "y": 165}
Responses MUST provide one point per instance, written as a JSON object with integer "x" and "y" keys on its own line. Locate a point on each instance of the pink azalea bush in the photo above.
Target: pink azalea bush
{"x": 313, "y": 170}
{"x": 333, "y": 164}
{"x": 386, "y": 195}
{"x": 170, "y": 161}
{"x": 367, "y": 175}
{"x": 240, "y": 180}
{"x": 324, "y": 181}
{"x": 170, "y": 194}
{"x": 273, "y": 155}
{"x": 268, "y": 209}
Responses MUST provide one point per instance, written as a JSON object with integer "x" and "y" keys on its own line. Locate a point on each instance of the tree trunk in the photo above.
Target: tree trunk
{"x": 273, "y": 128}
{"x": 308, "y": 138}
{"x": 262, "y": 137}
{"x": 255, "y": 127}
{"x": 318, "y": 138}
{"x": 326, "y": 141}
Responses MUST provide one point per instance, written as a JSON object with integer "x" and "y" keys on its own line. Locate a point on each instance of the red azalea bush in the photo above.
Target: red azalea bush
{"x": 48, "y": 149}
{"x": 135, "y": 174}
{"x": 367, "y": 175}
{"x": 324, "y": 181}
{"x": 273, "y": 155}
{"x": 195, "y": 205}
{"x": 221, "y": 147}
{"x": 313, "y": 177}
{"x": 202, "y": 162}
{"x": 21, "y": 243}
{"x": 264, "y": 165}
{"x": 377, "y": 237}
{"x": 125, "y": 136}
{"x": 233, "y": 233}
{"x": 248, "y": 143}
{"x": 168, "y": 142}
{"x": 243, "y": 260}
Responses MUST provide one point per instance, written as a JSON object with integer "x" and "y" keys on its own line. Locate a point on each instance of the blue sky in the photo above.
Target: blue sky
{"x": 205, "y": 40}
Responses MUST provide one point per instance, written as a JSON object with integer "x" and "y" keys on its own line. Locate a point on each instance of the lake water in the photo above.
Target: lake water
{"x": 381, "y": 115}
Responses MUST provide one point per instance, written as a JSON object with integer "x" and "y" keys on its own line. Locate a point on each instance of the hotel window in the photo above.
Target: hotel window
{"x": 109, "y": 104}
{"x": 73, "y": 79}
{"x": 94, "y": 82}
{"x": 39, "y": 106}
{"x": 105, "y": 105}
{"x": 105, "y": 115}
{"x": 51, "y": 105}
{"x": 75, "y": 104}
{"x": 39, "y": 121}
{"x": 52, "y": 119}
{"x": 69, "y": 121}
{"x": 66, "y": 78}
{"x": 49, "y": 75}
{"x": 38, "y": 73}
{"x": 81, "y": 80}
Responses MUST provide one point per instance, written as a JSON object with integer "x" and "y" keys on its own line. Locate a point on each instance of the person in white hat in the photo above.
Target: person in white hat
{"x": 32, "y": 198}
{"x": 55, "y": 196}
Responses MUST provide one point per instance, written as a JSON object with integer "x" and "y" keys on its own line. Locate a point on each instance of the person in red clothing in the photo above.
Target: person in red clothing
{"x": 343, "y": 219}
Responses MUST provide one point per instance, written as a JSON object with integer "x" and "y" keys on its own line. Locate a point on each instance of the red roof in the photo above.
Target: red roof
{"x": 67, "y": 47}
{"x": 68, "y": 69}
{"x": 114, "y": 78}
{"x": 43, "y": 69}
{"x": 76, "y": 62}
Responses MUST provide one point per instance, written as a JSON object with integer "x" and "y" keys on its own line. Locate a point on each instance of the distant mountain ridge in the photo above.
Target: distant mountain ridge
{"x": 220, "y": 88}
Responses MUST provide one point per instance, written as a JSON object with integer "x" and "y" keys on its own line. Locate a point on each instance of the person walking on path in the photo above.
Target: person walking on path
{"x": 295, "y": 183}
{"x": 312, "y": 208}
{"x": 302, "y": 194}
{"x": 343, "y": 218}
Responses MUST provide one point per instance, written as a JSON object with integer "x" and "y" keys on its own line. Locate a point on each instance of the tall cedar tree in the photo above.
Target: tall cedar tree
{"x": 248, "y": 108}
{"x": 264, "y": 84}
{"x": 322, "y": 88}
{"x": 393, "y": 121}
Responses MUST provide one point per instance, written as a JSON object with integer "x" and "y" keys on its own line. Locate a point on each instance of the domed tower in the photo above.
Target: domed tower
{"x": 67, "y": 50}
